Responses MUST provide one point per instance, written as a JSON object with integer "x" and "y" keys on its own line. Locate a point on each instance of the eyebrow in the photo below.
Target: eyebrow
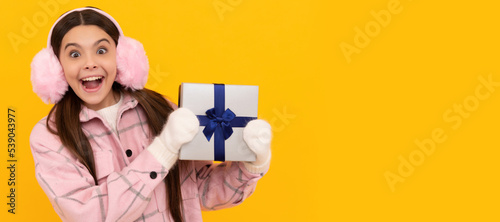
{"x": 78, "y": 46}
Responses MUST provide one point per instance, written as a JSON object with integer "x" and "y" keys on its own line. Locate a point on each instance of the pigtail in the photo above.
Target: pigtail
{"x": 69, "y": 130}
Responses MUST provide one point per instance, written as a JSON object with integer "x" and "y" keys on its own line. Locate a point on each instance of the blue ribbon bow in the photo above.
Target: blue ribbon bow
{"x": 224, "y": 122}
{"x": 220, "y": 123}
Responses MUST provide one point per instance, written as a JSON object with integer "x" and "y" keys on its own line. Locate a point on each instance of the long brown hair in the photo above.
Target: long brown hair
{"x": 69, "y": 128}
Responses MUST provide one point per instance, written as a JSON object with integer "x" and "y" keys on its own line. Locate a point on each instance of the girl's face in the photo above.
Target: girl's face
{"x": 88, "y": 58}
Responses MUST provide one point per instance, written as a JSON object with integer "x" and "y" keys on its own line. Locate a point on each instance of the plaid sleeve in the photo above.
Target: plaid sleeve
{"x": 224, "y": 185}
{"x": 120, "y": 196}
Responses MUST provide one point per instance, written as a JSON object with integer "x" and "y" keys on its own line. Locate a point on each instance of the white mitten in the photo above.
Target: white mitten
{"x": 257, "y": 134}
{"x": 181, "y": 127}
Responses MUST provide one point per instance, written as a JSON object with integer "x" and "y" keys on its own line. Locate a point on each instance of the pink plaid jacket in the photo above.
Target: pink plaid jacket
{"x": 131, "y": 185}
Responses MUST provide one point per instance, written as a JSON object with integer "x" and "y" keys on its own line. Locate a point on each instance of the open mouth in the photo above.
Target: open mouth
{"x": 92, "y": 83}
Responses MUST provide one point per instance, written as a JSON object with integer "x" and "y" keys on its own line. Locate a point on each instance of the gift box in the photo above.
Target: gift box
{"x": 223, "y": 112}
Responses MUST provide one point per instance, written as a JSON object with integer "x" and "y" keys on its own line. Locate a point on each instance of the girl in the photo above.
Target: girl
{"x": 108, "y": 149}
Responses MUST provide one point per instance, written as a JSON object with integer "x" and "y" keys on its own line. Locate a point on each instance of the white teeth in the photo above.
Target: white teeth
{"x": 92, "y": 78}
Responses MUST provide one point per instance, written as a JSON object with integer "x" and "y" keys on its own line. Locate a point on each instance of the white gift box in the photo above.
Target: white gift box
{"x": 242, "y": 100}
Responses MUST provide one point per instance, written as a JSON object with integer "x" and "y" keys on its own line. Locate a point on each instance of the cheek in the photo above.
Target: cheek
{"x": 109, "y": 65}
{"x": 70, "y": 69}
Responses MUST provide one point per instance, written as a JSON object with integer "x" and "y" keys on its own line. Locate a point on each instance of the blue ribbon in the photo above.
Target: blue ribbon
{"x": 220, "y": 122}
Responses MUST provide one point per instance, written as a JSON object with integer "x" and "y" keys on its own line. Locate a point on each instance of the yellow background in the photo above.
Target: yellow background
{"x": 339, "y": 126}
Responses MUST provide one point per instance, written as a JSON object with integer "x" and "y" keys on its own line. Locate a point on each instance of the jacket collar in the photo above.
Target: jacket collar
{"x": 129, "y": 102}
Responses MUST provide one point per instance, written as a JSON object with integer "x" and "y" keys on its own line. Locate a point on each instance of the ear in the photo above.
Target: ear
{"x": 47, "y": 76}
{"x": 132, "y": 63}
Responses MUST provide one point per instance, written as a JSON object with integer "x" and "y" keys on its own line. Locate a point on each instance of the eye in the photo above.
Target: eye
{"x": 101, "y": 51}
{"x": 74, "y": 54}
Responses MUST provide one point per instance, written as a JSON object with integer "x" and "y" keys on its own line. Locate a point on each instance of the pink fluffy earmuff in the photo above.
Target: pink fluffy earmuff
{"x": 47, "y": 76}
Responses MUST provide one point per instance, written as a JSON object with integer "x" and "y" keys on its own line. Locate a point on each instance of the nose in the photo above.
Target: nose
{"x": 90, "y": 64}
{"x": 90, "y": 67}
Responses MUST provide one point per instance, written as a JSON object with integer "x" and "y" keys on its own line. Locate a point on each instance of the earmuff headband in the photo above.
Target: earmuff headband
{"x": 47, "y": 75}
{"x": 81, "y": 9}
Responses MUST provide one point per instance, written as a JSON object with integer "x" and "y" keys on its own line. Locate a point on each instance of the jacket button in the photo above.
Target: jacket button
{"x": 152, "y": 175}
{"x": 129, "y": 153}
